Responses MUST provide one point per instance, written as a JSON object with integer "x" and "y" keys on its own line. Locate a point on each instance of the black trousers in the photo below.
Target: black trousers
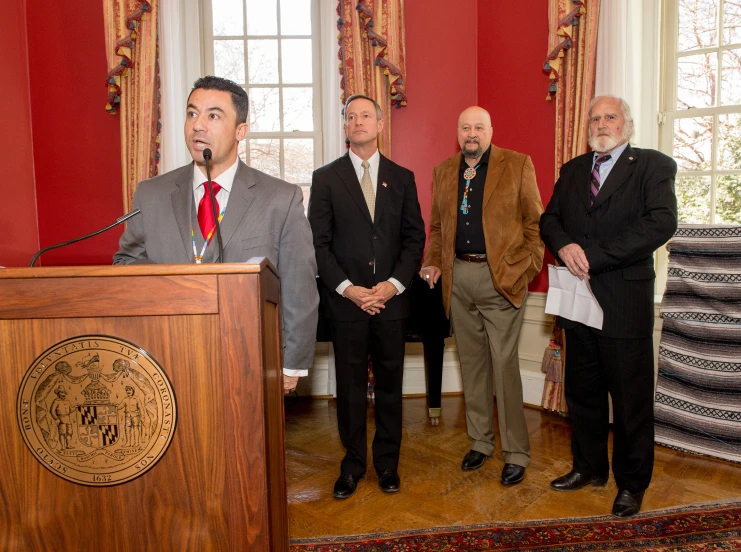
{"x": 353, "y": 341}
{"x": 624, "y": 368}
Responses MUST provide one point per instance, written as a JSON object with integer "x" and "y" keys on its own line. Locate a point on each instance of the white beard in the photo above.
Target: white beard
{"x": 603, "y": 144}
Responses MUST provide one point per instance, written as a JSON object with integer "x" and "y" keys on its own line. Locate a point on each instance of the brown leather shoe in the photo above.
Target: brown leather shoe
{"x": 345, "y": 486}
{"x": 575, "y": 480}
{"x": 627, "y": 504}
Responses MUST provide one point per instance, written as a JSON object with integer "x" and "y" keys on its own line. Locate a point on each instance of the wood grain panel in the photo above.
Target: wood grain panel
{"x": 79, "y": 297}
{"x": 178, "y": 503}
{"x": 210, "y": 489}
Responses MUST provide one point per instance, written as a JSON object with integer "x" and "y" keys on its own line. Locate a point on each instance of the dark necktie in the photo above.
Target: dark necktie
{"x": 595, "y": 181}
{"x": 205, "y": 213}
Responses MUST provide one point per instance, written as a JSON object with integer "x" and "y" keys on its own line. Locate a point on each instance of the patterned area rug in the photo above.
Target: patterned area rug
{"x": 705, "y": 527}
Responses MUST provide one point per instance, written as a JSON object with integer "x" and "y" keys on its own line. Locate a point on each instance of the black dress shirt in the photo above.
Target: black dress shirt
{"x": 469, "y": 236}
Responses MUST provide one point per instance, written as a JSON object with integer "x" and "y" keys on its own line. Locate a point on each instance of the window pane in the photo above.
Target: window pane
{"x": 298, "y": 156}
{"x": 728, "y": 200}
{"x": 264, "y": 110}
{"x": 296, "y": 58}
{"x": 692, "y": 143}
{"x": 298, "y": 113}
{"x": 306, "y": 191}
{"x": 731, "y": 22}
{"x": 698, "y": 24}
{"x": 696, "y": 81}
{"x": 693, "y": 199}
{"x": 265, "y": 156}
{"x": 295, "y": 17}
{"x": 229, "y": 59}
{"x": 227, "y": 17}
{"x": 729, "y": 141}
{"x": 262, "y": 61}
{"x": 730, "y": 84}
{"x": 262, "y": 17}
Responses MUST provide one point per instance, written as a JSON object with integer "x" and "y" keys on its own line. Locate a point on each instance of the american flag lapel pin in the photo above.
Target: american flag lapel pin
{"x": 385, "y": 185}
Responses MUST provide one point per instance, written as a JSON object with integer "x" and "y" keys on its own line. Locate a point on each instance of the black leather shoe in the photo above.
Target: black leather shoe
{"x": 473, "y": 460}
{"x": 345, "y": 486}
{"x": 575, "y": 480}
{"x": 627, "y": 504}
{"x": 512, "y": 474}
{"x": 388, "y": 481}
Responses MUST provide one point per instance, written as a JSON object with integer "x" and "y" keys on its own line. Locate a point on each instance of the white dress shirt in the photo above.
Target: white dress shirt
{"x": 225, "y": 180}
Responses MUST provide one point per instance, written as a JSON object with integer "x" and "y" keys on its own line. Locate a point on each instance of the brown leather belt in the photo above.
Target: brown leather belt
{"x": 471, "y": 257}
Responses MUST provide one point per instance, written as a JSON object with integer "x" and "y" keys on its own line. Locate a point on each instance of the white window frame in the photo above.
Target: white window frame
{"x": 669, "y": 114}
{"x": 207, "y": 54}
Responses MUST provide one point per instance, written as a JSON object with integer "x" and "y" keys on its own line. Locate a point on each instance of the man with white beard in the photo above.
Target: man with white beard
{"x": 610, "y": 210}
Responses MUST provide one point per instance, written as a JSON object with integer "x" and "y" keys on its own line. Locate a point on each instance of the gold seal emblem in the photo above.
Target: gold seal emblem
{"x": 96, "y": 410}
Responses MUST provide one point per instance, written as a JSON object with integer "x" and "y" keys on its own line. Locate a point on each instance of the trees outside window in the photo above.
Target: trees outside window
{"x": 701, "y": 124}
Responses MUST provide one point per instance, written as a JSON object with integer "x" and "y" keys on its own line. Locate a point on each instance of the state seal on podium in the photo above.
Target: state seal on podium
{"x": 96, "y": 410}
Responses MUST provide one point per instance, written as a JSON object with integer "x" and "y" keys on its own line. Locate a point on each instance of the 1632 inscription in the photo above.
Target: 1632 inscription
{"x": 96, "y": 410}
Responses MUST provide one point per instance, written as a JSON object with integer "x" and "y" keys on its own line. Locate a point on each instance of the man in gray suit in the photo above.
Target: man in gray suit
{"x": 264, "y": 218}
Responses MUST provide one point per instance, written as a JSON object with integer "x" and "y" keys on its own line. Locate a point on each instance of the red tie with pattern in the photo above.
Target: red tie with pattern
{"x": 205, "y": 213}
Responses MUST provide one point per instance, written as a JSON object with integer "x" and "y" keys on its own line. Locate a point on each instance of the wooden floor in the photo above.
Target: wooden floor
{"x": 436, "y": 492}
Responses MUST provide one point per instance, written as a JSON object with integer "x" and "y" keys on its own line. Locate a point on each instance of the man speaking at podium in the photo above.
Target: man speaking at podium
{"x": 260, "y": 216}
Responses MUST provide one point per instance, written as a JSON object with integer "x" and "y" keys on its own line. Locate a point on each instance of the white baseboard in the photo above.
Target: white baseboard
{"x": 534, "y": 336}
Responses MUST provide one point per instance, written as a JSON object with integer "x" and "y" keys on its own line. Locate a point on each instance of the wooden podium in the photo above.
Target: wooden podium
{"x": 215, "y": 331}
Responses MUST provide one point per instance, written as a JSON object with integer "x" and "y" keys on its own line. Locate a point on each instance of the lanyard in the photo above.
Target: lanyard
{"x": 196, "y": 257}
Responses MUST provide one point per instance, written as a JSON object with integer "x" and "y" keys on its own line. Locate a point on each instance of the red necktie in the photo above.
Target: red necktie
{"x": 205, "y": 213}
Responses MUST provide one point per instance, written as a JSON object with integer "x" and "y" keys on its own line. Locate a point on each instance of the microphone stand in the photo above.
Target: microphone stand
{"x": 118, "y": 221}
{"x": 207, "y": 158}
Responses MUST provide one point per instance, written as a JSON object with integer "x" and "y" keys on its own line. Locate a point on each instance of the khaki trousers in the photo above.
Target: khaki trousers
{"x": 487, "y": 328}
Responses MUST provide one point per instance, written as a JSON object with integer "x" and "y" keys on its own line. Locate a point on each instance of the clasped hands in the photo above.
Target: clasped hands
{"x": 371, "y": 300}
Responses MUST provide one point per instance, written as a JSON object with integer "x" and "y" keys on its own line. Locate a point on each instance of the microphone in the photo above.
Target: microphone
{"x": 207, "y": 158}
{"x": 119, "y": 220}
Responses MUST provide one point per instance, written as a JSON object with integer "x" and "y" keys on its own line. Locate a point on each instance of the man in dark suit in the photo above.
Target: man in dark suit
{"x": 262, "y": 216}
{"x": 368, "y": 236}
{"x": 610, "y": 210}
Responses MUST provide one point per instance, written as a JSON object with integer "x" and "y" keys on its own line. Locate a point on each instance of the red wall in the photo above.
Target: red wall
{"x": 18, "y": 208}
{"x": 76, "y": 143}
{"x": 442, "y": 83}
{"x": 512, "y": 46}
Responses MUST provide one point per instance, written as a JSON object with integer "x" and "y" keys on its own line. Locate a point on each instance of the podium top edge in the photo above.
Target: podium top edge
{"x": 253, "y": 266}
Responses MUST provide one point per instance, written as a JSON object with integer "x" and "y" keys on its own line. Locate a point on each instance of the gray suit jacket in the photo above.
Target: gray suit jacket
{"x": 264, "y": 218}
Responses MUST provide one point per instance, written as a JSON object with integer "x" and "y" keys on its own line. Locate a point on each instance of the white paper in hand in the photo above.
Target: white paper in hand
{"x": 572, "y": 298}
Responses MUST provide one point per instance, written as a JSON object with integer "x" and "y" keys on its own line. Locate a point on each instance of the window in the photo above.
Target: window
{"x": 701, "y": 124}
{"x": 271, "y": 48}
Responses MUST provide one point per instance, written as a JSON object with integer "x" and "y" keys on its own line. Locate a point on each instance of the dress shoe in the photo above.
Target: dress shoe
{"x": 512, "y": 474}
{"x": 627, "y": 504}
{"x": 473, "y": 460}
{"x": 388, "y": 481}
{"x": 345, "y": 486}
{"x": 575, "y": 480}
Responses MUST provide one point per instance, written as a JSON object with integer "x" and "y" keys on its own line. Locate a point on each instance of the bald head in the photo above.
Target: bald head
{"x": 474, "y": 132}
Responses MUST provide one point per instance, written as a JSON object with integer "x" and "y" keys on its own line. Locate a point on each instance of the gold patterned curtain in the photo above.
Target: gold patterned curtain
{"x": 133, "y": 86}
{"x": 372, "y": 55}
{"x": 571, "y": 66}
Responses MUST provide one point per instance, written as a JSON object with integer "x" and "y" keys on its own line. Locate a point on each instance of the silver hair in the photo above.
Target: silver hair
{"x": 379, "y": 113}
{"x": 629, "y": 130}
